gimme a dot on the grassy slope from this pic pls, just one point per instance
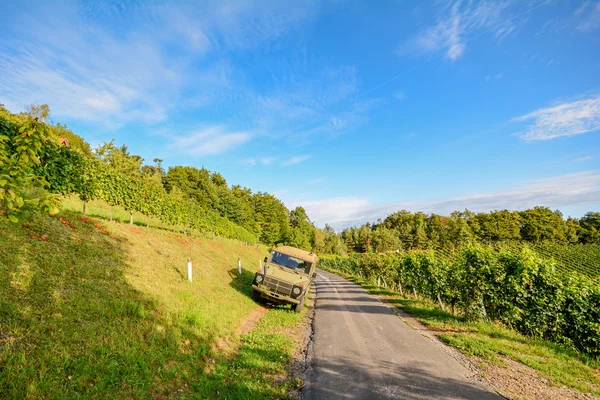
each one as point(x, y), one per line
point(491, 341)
point(100, 309)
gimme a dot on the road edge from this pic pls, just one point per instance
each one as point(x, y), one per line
point(301, 367)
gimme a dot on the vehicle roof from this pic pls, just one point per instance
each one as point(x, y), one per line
point(300, 254)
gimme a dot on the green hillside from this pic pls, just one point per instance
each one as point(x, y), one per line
point(98, 309)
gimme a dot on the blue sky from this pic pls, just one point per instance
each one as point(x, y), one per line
point(352, 109)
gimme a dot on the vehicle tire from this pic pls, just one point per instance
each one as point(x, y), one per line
point(298, 307)
point(255, 295)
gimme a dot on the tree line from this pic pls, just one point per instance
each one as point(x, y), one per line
point(39, 161)
point(404, 230)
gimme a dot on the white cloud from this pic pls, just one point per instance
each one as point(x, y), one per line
point(582, 159)
point(566, 190)
point(338, 212)
point(315, 181)
point(567, 119)
point(455, 22)
point(295, 160)
point(268, 160)
point(493, 77)
point(337, 123)
point(210, 141)
point(400, 95)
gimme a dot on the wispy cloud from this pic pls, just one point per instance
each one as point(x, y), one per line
point(567, 119)
point(267, 160)
point(309, 101)
point(456, 22)
point(86, 73)
point(337, 123)
point(168, 59)
point(162, 59)
point(316, 181)
point(584, 19)
point(295, 160)
point(582, 159)
point(210, 141)
point(493, 77)
point(566, 190)
point(588, 16)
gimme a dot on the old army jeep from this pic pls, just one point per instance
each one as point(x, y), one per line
point(285, 277)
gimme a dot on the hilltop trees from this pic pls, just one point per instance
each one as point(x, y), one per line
point(541, 223)
point(272, 217)
point(590, 227)
point(404, 230)
point(302, 231)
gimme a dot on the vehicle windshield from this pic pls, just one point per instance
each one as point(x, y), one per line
point(290, 262)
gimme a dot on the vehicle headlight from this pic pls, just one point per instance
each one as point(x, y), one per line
point(296, 291)
point(258, 278)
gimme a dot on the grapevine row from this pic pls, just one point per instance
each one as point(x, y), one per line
point(517, 288)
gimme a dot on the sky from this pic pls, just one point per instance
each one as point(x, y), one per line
point(351, 109)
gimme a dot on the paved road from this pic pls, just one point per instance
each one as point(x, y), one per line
point(362, 350)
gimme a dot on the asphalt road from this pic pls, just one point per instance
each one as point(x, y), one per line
point(362, 350)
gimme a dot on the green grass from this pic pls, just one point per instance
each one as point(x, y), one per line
point(93, 309)
point(262, 359)
point(491, 341)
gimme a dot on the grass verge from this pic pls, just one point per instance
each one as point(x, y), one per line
point(258, 370)
point(490, 342)
point(90, 309)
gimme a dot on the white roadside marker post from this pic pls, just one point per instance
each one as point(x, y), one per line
point(190, 261)
point(190, 233)
point(239, 267)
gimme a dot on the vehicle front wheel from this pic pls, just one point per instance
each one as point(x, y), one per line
point(298, 307)
point(255, 295)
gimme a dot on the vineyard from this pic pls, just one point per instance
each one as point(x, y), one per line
point(519, 288)
point(93, 180)
point(581, 258)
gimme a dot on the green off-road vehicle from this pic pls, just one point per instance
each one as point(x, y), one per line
point(285, 277)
